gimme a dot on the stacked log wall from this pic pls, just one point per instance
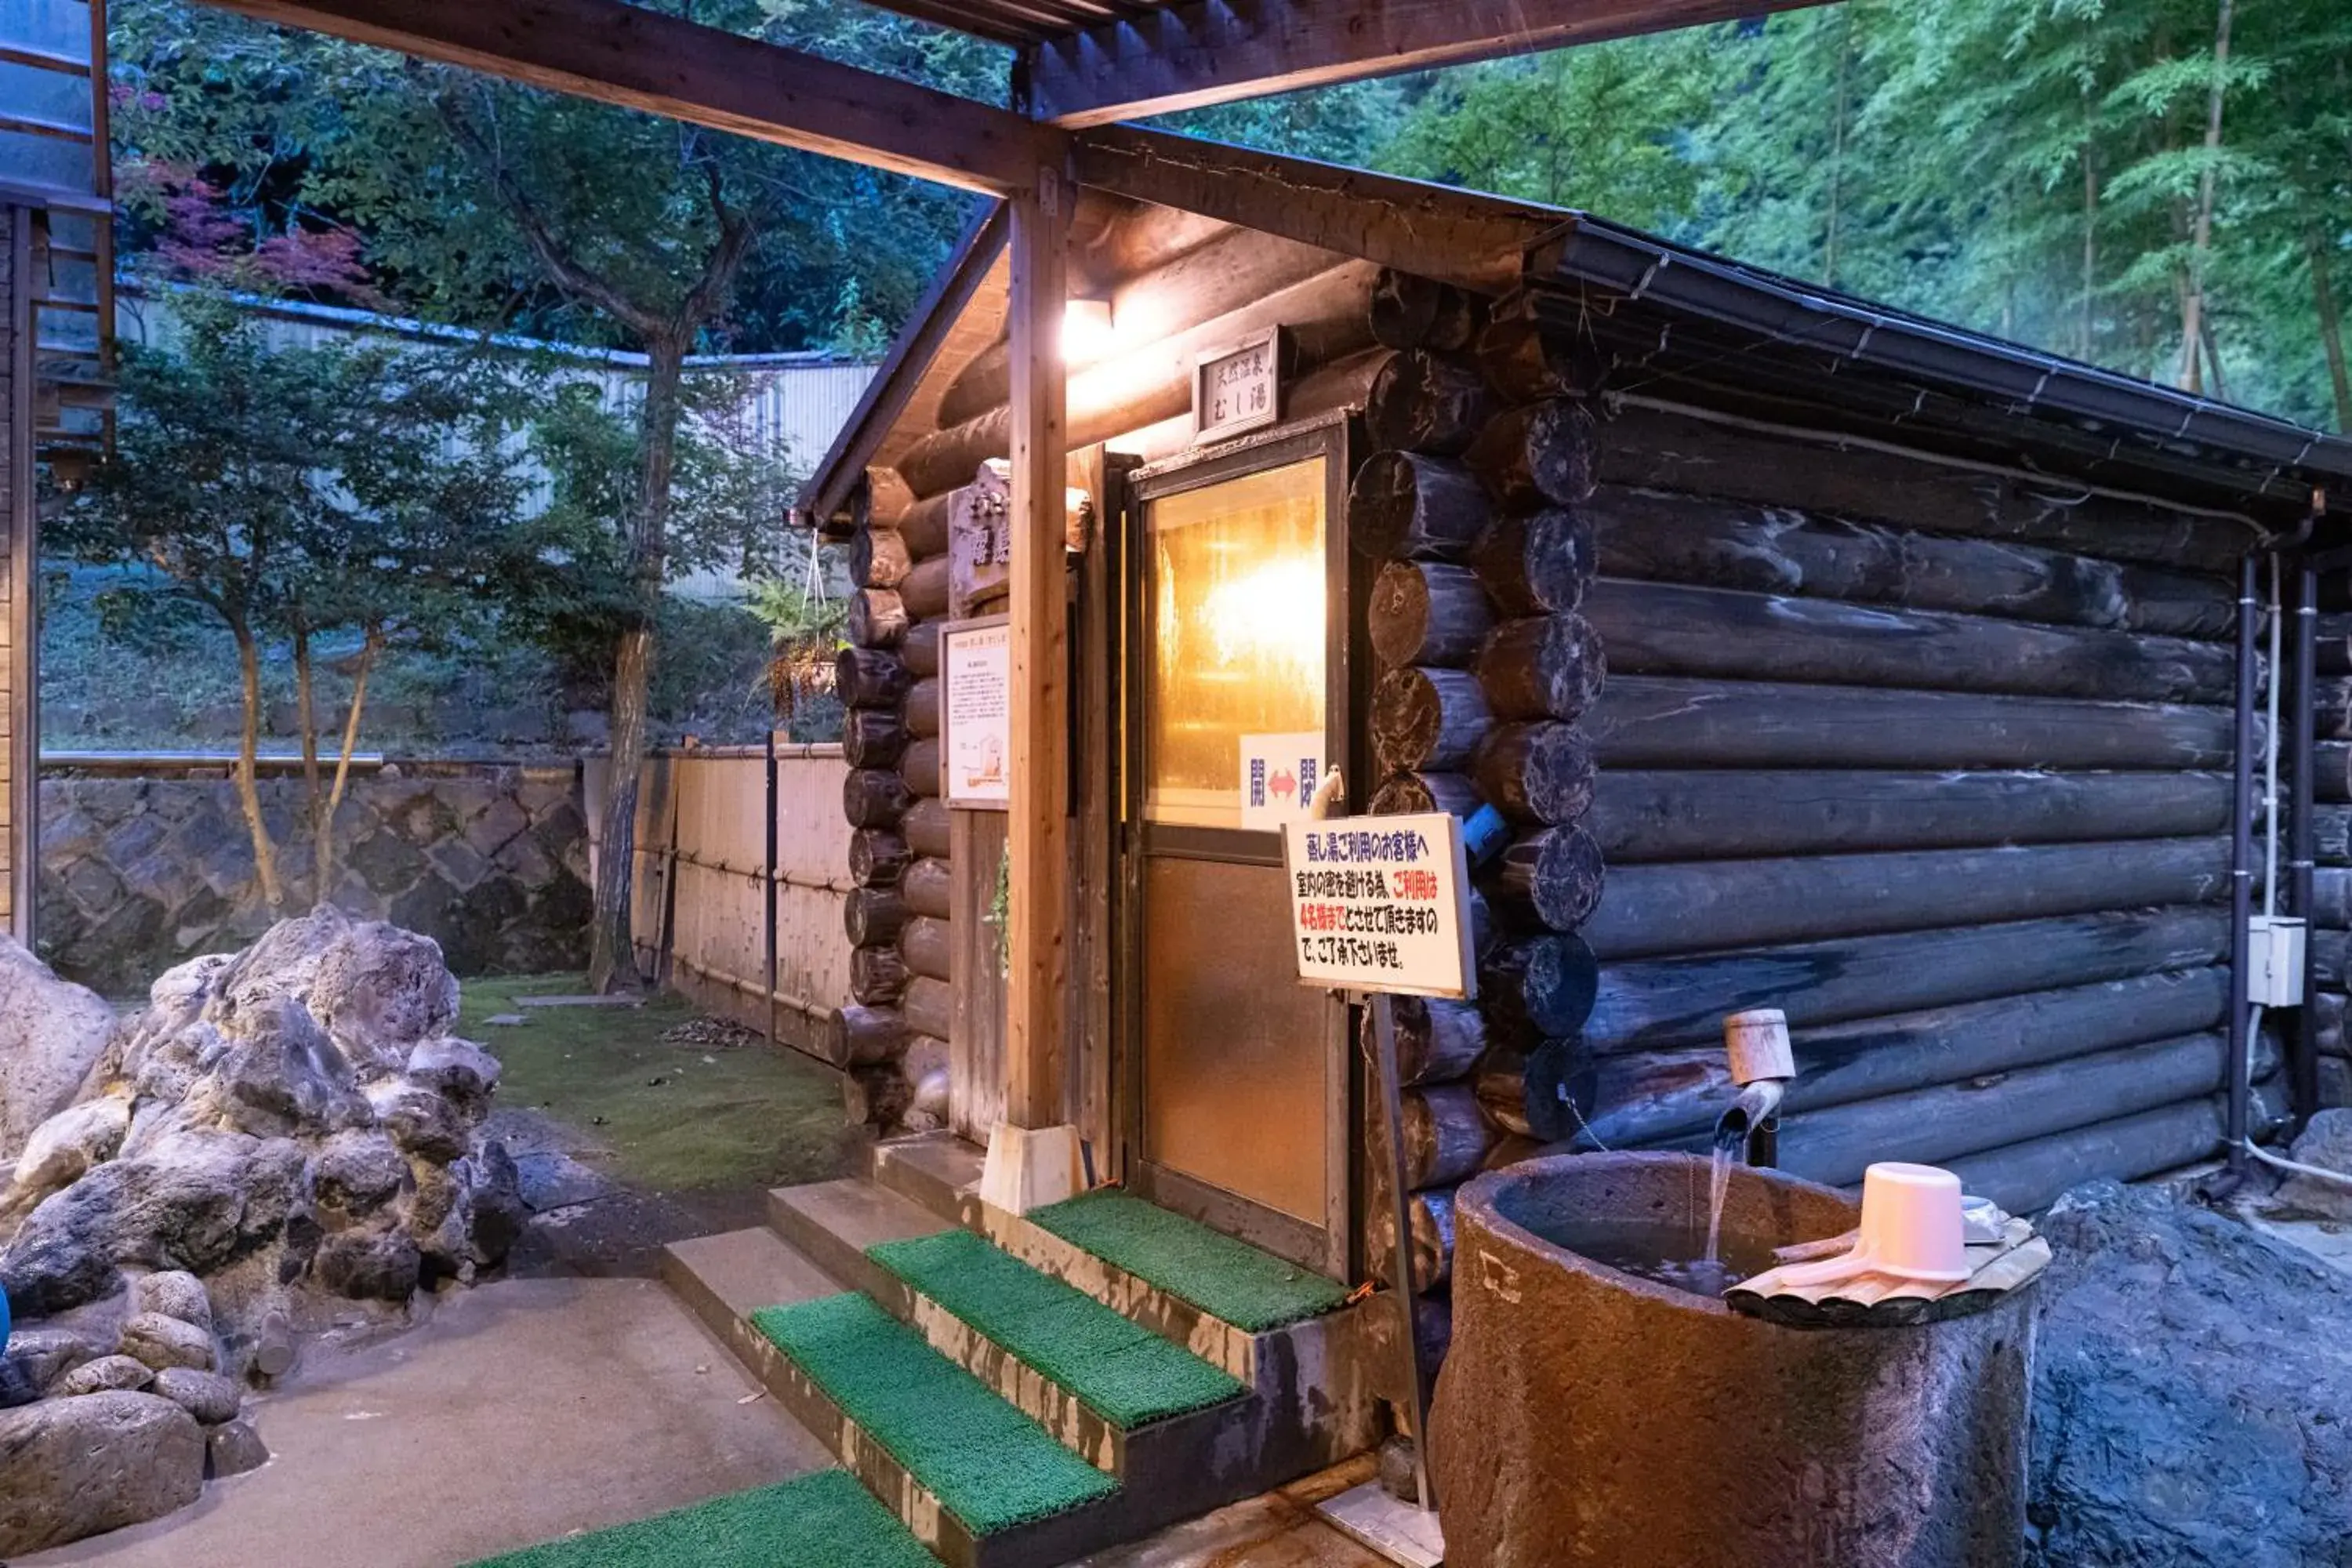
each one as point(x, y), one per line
point(2331, 911)
point(1483, 667)
point(1935, 759)
point(892, 1039)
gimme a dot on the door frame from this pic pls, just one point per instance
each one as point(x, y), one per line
point(1327, 1248)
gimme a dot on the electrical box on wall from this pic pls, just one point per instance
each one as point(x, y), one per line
point(2274, 954)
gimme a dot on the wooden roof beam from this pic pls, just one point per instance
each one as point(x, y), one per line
point(619, 53)
point(1200, 52)
point(1435, 231)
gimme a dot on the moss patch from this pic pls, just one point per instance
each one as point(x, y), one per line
point(749, 1115)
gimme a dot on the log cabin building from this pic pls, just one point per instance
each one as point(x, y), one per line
point(1819, 657)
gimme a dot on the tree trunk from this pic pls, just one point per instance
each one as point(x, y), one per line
point(611, 960)
point(248, 747)
point(2331, 329)
point(1839, 111)
point(2192, 314)
point(322, 820)
point(1542, 666)
point(2085, 330)
point(306, 717)
point(1670, 629)
point(612, 964)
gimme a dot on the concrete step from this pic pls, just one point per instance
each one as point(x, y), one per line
point(833, 1223)
point(726, 1278)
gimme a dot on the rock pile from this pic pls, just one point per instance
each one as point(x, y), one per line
point(2191, 1393)
point(281, 1134)
point(51, 1034)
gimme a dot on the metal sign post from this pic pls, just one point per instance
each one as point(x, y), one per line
point(1379, 907)
point(1392, 1093)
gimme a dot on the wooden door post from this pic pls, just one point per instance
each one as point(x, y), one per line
point(1039, 829)
point(1033, 1157)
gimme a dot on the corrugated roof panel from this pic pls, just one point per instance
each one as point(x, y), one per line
point(55, 28)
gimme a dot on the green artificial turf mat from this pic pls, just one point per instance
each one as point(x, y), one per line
point(1120, 1371)
point(1226, 1279)
point(987, 1464)
point(826, 1518)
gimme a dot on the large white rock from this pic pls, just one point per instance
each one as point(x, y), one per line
point(52, 1033)
point(61, 1151)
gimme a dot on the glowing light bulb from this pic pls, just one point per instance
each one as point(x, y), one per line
point(1087, 335)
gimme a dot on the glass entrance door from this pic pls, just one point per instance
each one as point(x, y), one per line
point(1238, 1073)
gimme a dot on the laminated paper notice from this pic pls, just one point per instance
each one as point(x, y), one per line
point(1380, 903)
point(976, 712)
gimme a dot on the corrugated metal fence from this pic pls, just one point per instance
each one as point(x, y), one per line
point(742, 858)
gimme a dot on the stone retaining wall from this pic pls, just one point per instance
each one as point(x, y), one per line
point(138, 874)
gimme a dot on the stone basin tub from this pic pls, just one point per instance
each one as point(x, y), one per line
point(1589, 1415)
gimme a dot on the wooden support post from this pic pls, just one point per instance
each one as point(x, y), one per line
point(1034, 1155)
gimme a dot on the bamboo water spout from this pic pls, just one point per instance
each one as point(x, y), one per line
point(1763, 1064)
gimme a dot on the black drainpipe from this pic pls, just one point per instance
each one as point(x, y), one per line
point(2304, 1066)
point(2300, 754)
point(2241, 872)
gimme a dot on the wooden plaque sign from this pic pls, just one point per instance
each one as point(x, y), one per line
point(1237, 389)
point(976, 713)
point(1381, 904)
point(979, 543)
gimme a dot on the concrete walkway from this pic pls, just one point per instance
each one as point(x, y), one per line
point(530, 1409)
point(523, 1411)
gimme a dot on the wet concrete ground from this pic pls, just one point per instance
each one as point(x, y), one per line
point(528, 1409)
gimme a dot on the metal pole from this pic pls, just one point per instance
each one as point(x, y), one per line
point(2300, 849)
point(2242, 875)
point(1401, 1270)
point(768, 886)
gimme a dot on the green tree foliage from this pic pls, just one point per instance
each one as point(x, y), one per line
point(2108, 179)
point(492, 205)
point(355, 495)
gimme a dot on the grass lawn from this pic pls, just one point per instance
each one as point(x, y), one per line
point(677, 1116)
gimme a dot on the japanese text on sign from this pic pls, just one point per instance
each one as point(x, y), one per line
point(1380, 903)
point(976, 670)
point(1239, 389)
point(1279, 773)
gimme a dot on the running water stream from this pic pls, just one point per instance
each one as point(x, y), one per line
point(1718, 1185)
